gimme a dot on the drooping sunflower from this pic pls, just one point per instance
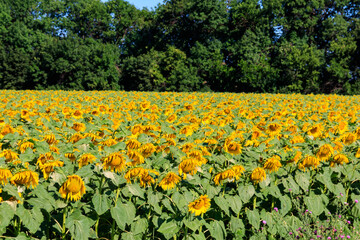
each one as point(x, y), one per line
point(73, 188)
point(232, 147)
point(169, 181)
point(136, 157)
point(9, 155)
point(5, 174)
point(348, 138)
point(50, 139)
point(115, 161)
point(200, 205)
point(48, 167)
point(26, 145)
point(238, 169)
point(147, 149)
point(273, 164)
point(227, 174)
point(188, 166)
point(325, 152)
point(79, 127)
point(309, 162)
point(141, 174)
point(25, 178)
point(339, 159)
point(357, 155)
point(86, 159)
point(258, 175)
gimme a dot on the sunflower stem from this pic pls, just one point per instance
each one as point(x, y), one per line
point(64, 221)
point(254, 204)
point(101, 183)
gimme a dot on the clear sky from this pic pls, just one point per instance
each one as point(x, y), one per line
point(145, 3)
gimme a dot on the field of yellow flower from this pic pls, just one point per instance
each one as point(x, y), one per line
point(137, 165)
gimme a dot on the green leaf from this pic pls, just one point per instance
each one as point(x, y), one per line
point(253, 218)
point(166, 202)
point(246, 192)
point(223, 204)
point(302, 179)
point(79, 225)
point(6, 214)
point(180, 201)
point(199, 236)
point(128, 236)
point(123, 213)
point(139, 226)
point(234, 203)
point(237, 226)
point(153, 200)
point(314, 204)
point(217, 229)
point(31, 219)
point(285, 204)
point(101, 203)
point(194, 224)
point(136, 190)
point(169, 228)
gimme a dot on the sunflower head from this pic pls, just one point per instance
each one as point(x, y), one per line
point(309, 162)
point(5, 174)
point(339, 159)
point(169, 181)
point(325, 152)
point(115, 161)
point(73, 188)
point(25, 178)
point(273, 164)
point(258, 175)
point(200, 205)
point(86, 159)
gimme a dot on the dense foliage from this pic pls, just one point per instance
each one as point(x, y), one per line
point(139, 165)
point(181, 45)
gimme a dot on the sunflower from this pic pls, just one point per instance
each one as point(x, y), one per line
point(141, 174)
point(258, 175)
point(25, 178)
point(85, 159)
point(43, 158)
point(227, 174)
point(136, 157)
point(297, 139)
point(76, 137)
point(133, 144)
point(147, 149)
point(169, 181)
point(48, 167)
point(188, 166)
point(26, 145)
point(232, 147)
point(309, 162)
point(315, 131)
point(348, 138)
point(357, 155)
point(115, 161)
point(197, 154)
point(73, 188)
point(339, 159)
point(273, 164)
point(9, 155)
point(79, 127)
point(5, 174)
point(50, 138)
point(273, 129)
point(238, 169)
point(296, 158)
point(200, 205)
point(325, 152)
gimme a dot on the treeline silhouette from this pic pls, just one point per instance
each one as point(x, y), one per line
point(277, 46)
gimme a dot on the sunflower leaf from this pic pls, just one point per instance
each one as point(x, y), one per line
point(169, 228)
point(6, 215)
point(123, 213)
point(101, 203)
point(79, 225)
point(30, 218)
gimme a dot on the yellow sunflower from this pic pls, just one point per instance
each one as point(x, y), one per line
point(115, 161)
point(232, 147)
point(258, 175)
point(188, 166)
point(325, 152)
point(339, 159)
point(200, 205)
point(25, 178)
point(73, 188)
point(5, 174)
point(169, 181)
point(273, 164)
point(309, 162)
point(227, 174)
point(85, 159)
point(48, 167)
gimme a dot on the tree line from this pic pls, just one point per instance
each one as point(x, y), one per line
point(277, 46)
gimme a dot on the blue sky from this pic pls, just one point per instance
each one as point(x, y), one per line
point(144, 3)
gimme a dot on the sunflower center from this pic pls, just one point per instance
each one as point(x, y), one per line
point(74, 187)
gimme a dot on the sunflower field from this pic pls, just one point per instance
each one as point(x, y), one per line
point(139, 165)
